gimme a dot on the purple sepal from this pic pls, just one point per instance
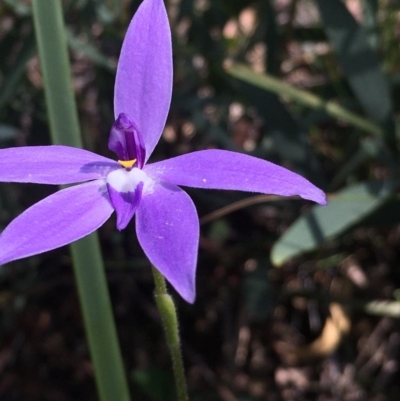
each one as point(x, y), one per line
point(167, 227)
point(53, 165)
point(126, 141)
point(143, 84)
point(221, 169)
point(57, 220)
point(125, 204)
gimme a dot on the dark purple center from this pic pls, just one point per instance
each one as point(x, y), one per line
point(126, 141)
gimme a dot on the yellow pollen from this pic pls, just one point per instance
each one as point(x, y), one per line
point(127, 163)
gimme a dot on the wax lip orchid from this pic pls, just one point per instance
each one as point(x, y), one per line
point(167, 224)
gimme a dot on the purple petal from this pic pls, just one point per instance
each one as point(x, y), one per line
point(144, 75)
point(167, 227)
point(57, 220)
point(126, 141)
point(221, 169)
point(125, 204)
point(52, 165)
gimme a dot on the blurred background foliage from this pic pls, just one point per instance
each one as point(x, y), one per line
point(295, 301)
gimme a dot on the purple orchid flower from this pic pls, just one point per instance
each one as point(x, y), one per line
point(167, 224)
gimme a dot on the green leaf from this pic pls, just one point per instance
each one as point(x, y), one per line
point(155, 383)
point(7, 132)
point(358, 60)
point(305, 98)
point(347, 208)
point(370, 11)
point(86, 253)
point(14, 76)
point(271, 36)
point(19, 7)
point(90, 52)
point(258, 292)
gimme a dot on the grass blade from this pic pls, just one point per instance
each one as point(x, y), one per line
point(87, 260)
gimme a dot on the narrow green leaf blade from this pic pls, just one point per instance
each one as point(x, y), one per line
point(90, 52)
point(359, 62)
point(157, 384)
point(7, 133)
point(305, 98)
point(15, 75)
point(86, 253)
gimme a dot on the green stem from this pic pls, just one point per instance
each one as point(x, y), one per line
point(169, 318)
point(86, 254)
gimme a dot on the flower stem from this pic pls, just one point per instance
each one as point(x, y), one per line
point(86, 254)
point(167, 310)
